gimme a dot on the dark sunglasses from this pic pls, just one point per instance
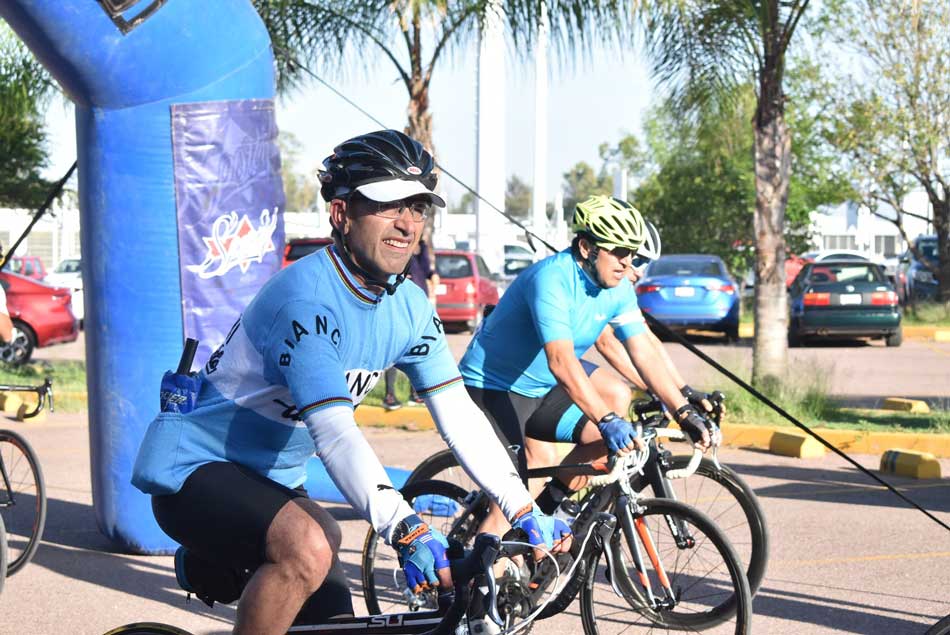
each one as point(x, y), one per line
point(639, 262)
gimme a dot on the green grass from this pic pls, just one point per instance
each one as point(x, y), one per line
point(69, 381)
point(376, 395)
point(927, 314)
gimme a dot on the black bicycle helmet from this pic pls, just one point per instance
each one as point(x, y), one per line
point(383, 166)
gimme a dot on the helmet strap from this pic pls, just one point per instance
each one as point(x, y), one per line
point(589, 264)
point(390, 287)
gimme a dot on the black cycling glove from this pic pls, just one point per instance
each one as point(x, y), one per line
point(692, 423)
point(695, 397)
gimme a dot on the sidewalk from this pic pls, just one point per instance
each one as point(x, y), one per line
point(734, 434)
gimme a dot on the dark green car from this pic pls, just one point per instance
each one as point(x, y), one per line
point(843, 298)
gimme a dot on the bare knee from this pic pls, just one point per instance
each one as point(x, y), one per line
point(302, 545)
point(540, 453)
point(617, 395)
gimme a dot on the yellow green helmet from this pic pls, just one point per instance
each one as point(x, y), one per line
point(611, 222)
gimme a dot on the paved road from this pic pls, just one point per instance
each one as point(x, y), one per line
point(846, 557)
point(856, 372)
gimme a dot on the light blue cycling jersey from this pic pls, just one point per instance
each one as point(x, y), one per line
point(552, 300)
point(311, 339)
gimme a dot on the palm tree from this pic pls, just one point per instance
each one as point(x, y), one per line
point(703, 48)
point(330, 35)
point(25, 88)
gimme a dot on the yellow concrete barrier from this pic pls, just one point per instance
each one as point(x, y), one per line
point(10, 402)
point(910, 463)
point(794, 444)
point(27, 408)
point(906, 405)
point(942, 336)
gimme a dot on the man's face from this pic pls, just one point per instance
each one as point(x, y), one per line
point(379, 244)
point(612, 265)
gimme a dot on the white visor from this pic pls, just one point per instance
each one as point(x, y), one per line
point(397, 190)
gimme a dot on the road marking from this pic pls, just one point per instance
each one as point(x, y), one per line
point(896, 556)
point(942, 350)
point(856, 488)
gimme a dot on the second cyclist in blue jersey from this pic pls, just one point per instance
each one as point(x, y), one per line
point(524, 366)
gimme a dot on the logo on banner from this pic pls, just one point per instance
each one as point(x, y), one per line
point(235, 242)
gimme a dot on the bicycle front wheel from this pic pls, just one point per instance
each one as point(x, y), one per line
point(3, 553)
point(940, 628)
point(22, 499)
point(441, 505)
point(728, 500)
point(696, 580)
point(147, 628)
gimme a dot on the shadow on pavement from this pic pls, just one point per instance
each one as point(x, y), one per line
point(844, 616)
point(848, 486)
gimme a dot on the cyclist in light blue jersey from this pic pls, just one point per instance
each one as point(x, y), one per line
point(523, 367)
point(226, 477)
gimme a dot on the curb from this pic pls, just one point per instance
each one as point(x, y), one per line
point(913, 406)
point(925, 333)
point(736, 435)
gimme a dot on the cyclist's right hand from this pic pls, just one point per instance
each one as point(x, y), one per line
point(619, 434)
point(422, 554)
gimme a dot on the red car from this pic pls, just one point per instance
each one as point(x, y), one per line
point(41, 316)
point(297, 248)
point(465, 287)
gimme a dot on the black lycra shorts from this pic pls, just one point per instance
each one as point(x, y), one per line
point(223, 512)
point(553, 417)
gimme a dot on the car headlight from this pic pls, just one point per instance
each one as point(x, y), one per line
point(923, 275)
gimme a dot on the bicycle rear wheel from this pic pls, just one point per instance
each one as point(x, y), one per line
point(3, 553)
point(707, 578)
point(147, 628)
point(439, 504)
point(22, 498)
point(731, 504)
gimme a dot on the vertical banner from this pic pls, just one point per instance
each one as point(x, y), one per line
point(230, 201)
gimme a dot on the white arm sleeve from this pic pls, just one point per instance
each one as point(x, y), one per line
point(355, 469)
point(471, 438)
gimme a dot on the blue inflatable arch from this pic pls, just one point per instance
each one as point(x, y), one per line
point(180, 201)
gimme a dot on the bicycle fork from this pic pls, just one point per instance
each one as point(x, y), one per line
point(635, 531)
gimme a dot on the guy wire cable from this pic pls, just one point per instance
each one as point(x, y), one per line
point(652, 321)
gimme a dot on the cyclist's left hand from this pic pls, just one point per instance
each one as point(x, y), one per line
point(543, 531)
point(700, 399)
point(422, 554)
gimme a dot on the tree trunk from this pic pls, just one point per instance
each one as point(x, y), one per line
point(419, 119)
point(942, 227)
point(772, 172)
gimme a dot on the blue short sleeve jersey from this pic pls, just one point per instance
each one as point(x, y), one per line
point(552, 300)
point(312, 338)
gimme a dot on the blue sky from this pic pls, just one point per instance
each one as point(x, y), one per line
point(598, 99)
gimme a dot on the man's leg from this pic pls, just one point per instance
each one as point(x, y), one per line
point(302, 542)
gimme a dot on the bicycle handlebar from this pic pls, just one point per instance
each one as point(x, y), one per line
point(633, 462)
point(478, 562)
point(187, 356)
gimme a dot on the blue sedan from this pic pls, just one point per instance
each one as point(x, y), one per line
point(691, 291)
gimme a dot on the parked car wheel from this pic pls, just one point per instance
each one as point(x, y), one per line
point(895, 338)
point(20, 348)
point(794, 339)
point(732, 334)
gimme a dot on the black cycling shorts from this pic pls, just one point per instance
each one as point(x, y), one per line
point(223, 512)
point(553, 417)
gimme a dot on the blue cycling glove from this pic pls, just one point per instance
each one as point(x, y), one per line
point(421, 552)
point(179, 392)
point(618, 433)
point(542, 530)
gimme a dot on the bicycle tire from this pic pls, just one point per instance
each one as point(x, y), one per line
point(147, 628)
point(23, 506)
point(382, 577)
point(733, 506)
point(725, 601)
point(940, 628)
point(4, 555)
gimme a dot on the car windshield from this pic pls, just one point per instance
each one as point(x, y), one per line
point(453, 266)
point(928, 249)
point(68, 266)
point(845, 273)
point(671, 267)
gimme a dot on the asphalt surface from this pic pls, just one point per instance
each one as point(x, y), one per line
point(846, 556)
